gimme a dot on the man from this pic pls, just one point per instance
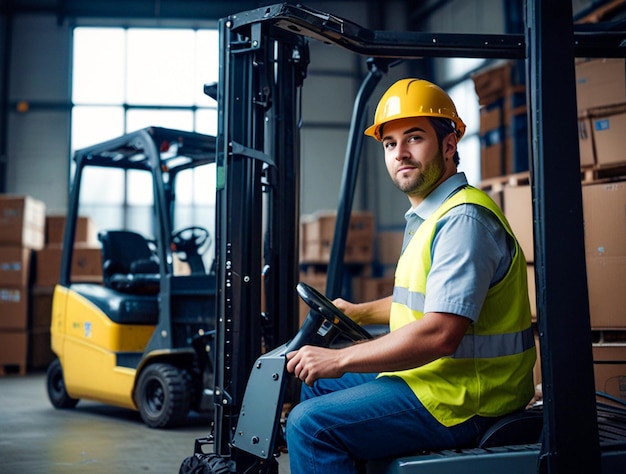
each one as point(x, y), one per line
point(460, 351)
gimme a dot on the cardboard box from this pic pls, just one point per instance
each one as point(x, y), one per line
point(500, 113)
point(321, 226)
point(585, 142)
point(490, 83)
point(86, 232)
point(317, 231)
point(491, 118)
point(518, 209)
point(40, 354)
point(22, 221)
point(86, 265)
point(599, 83)
point(496, 158)
point(359, 251)
point(369, 289)
point(604, 211)
point(13, 352)
point(389, 247)
point(494, 82)
point(607, 298)
point(13, 308)
point(317, 281)
point(497, 194)
point(604, 207)
point(504, 148)
point(41, 307)
point(356, 251)
point(609, 139)
point(609, 366)
point(15, 266)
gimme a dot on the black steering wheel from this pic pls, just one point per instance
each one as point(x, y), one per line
point(319, 303)
point(190, 241)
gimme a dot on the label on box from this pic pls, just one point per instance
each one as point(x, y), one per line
point(11, 266)
point(602, 125)
point(10, 295)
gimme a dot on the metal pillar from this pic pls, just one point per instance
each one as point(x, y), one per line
point(571, 432)
point(258, 177)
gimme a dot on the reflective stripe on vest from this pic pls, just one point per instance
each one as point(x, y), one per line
point(494, 345)
point(473, 346)
point(414, 300)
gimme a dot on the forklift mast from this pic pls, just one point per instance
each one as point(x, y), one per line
point(263, 64)
point(257, 203)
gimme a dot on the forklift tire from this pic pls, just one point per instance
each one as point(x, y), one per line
point(162, 396)
point(56, 387)
point(204, 464)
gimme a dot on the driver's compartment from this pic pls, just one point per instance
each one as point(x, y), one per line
point(129, 262)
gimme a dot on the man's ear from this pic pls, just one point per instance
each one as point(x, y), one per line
point(449, 145)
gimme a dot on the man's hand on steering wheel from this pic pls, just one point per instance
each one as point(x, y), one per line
point(311, 362)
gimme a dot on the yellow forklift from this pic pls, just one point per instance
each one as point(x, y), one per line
point(140, 336)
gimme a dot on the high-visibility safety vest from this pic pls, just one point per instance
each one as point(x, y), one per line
point(490, 374)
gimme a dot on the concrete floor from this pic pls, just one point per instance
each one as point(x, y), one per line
point(91, 438)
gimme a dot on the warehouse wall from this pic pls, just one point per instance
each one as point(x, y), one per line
point(334, 78)
point(38, 124)
point(38, 134)
point(38, 51)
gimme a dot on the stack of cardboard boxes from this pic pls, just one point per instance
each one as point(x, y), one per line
point(501, 94)
point(378, 281)
point(86, 258)
point(317, 231)
point(316, 240)
point(601, 99)
point(601, 94)
point(22, 222)
point(30, 260)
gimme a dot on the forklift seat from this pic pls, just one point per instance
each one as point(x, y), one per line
point(128, 263)
point(521, 427)
point(518, 431)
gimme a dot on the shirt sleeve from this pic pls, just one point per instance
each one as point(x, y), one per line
point(471, 252)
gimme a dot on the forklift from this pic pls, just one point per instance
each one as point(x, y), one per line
point(263, 64)
point(140, 335)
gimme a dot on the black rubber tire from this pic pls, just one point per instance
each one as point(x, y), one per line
point(55, 385)
point(204, 464)
point(162, 396)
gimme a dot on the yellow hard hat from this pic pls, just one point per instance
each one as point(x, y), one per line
point(414, 98)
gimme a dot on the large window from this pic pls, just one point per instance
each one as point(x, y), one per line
point(125, 79)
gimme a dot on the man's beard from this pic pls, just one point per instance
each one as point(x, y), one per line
point(425, 181)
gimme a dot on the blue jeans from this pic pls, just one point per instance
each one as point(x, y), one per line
point(360, 417)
